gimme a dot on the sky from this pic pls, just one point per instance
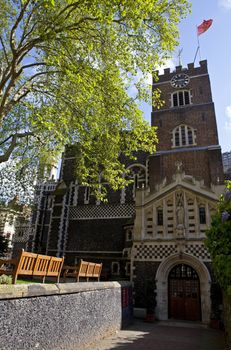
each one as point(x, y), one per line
point(215, 47)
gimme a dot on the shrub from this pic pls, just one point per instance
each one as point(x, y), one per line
point(219, 240)
point(4, 279)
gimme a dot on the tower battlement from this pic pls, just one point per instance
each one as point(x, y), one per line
point(190, 70)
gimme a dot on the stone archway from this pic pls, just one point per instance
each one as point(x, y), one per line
point(162, 284)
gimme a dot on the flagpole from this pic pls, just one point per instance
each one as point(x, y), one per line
point(198, 47)
point(196, 54)
point(198, 43)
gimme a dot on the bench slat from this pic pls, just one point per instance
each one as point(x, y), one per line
point(84, 269)
point(32, 264)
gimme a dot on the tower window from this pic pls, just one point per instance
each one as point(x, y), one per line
point(180, 98)
point(177, 139)
point(175, 99)
point(190, 137)
point(183, 135)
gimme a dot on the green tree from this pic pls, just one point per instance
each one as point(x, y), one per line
point(66, 67)
point(219, 240)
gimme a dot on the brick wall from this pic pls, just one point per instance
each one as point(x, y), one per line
point(96, 235)
point(202, 165)
point(143, 272)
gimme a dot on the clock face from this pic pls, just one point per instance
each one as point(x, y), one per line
point(180, 80)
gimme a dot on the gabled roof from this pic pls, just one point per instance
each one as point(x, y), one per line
point(184, 182)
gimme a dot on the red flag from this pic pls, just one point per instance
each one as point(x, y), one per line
point(204, 26)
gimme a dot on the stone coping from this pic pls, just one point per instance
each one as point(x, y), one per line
point(16, 291)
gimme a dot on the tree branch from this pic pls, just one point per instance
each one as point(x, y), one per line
point(4, 49)
point(31, 65)
point(15, 26)
point(5, 157)
point(19, 94)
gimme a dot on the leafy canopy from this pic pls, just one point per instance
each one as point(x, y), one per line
point(219, 240)
point(66, 69)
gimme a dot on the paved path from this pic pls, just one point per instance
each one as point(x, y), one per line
point(163, 336)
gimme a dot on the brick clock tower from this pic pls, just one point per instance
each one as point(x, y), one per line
point(187, 129)
point(185, 179)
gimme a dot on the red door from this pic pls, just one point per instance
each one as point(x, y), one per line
point(184, 293)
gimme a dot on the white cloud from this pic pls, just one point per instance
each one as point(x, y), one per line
point(168, 64)
point(225, 4)
point(228, 114)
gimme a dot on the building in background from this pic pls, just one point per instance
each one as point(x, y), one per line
point(226, 157)
point(153, 231)
point(15, 225)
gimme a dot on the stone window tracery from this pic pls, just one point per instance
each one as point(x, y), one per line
point(137, 172)
point(183, 135)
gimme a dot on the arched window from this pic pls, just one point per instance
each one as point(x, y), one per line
point(181, 98)
point(137, 172)
point(184, 135)
point(115, 268)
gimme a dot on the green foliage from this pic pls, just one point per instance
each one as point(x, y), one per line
point(3, 245)
point(4, 279)
point(67, 69)
point(219, 240)
point(17, 180)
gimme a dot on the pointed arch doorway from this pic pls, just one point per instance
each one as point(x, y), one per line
point(162, 288)
point(184, 293)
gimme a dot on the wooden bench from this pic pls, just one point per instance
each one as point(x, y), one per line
point(84, 269)
point(31, 264)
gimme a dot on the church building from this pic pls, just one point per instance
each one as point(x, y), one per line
point(153, 231)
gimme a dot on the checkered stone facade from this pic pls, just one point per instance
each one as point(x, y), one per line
point(158, 252)
point(84, 212)
point(199, 251)
point(153, 252)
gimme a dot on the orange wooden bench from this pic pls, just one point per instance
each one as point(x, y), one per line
point(84, 269)
point(32, 264)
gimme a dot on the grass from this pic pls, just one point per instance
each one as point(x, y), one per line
point(32, 281)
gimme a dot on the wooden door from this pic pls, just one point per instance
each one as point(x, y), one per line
point(184, 293)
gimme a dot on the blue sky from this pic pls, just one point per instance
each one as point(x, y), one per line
point(215, 46)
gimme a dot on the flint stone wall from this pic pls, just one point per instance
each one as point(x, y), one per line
point(66, 316)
